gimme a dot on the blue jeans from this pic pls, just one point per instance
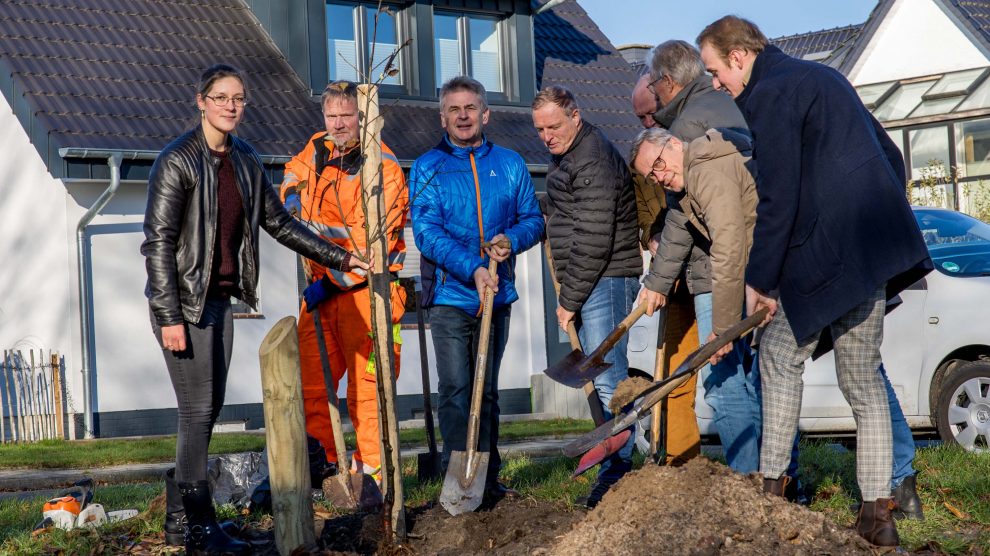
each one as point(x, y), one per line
point(903, 439)
point(731, 392)
point(611, 300)
point(455, 341)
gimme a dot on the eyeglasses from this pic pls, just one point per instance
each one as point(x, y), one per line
point(652, 85)
point(222, 100)
point(659, 165)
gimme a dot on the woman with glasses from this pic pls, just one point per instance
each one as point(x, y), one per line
point(207, 196)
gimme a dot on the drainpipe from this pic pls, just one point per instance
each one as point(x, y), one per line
point(88, 359)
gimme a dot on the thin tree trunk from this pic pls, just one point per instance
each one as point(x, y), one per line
point(376, 220)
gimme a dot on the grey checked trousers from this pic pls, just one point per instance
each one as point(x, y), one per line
point(857, 336)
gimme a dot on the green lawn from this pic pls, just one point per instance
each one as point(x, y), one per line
point(86, 454)
point(954, 486)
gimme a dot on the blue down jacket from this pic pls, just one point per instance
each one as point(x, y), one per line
point(444, 203)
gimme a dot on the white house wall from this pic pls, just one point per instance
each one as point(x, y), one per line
point(36, 271)
point(131, 374)
point(915, 38)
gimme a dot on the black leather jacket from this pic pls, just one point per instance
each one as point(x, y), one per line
point(181, 219)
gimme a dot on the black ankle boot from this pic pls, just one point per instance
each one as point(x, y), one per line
point(907, 501)
point(203, 533)
point(175, 514)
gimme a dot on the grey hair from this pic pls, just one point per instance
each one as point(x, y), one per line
point(464, 83)
point(655, 135)
point(678, 59)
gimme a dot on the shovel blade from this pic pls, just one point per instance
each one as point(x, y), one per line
point(603, 450)
point(464, 483)
point(352, 491)
point(576, 369)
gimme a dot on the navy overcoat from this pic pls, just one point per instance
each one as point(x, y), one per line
point(833, 222)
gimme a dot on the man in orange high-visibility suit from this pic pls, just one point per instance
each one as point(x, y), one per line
point(322, 186)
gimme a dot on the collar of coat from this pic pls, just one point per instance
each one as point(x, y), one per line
point(446, 146)
point(348, 160)
point(765, 61)
point(666, 115)
point(585, 130)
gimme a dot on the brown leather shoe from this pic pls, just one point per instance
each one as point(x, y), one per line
point(875, 524)
point(776, 486)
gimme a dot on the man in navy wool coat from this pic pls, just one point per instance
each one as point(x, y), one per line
point(834, 237)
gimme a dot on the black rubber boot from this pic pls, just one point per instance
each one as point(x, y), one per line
point(175, 514)
point(203, 533)
point(907, 500)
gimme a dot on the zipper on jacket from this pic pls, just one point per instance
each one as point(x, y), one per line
point(481, 224)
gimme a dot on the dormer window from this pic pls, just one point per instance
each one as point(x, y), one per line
point(353, 40)
point(468, 44)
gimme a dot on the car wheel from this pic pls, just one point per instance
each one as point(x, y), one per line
point(964, 406)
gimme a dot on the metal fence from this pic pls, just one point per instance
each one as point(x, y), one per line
point(32, 396)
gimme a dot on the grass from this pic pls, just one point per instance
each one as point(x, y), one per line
point(954, 486)
point(86, 454)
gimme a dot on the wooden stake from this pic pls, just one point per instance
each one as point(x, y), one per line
point(3, 428)
point(57, 392)
point(20, 399)
point(10, 399)
point(285, 437)
point(376, 220)
point(30, 395)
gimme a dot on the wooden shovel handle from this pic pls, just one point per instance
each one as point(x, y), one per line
point(594, 402)
point(619, 332)
point(480, 365)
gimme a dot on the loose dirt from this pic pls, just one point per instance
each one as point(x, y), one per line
point(702, 508)
point(627, 391)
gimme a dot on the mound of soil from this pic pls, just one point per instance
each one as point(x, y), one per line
point(702, 507)
point(513, 527)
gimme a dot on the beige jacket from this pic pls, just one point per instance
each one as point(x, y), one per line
point(720, 201)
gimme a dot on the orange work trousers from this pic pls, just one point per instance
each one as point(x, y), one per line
point(681, 339)
point(346, 320)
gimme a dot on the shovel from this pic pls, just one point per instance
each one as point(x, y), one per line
point(428, 468)
point(601, 442)
point(594, 403)
point(576, 369)
point(464, 484)
point(345, 489)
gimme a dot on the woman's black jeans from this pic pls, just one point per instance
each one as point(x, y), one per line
point(199, 377)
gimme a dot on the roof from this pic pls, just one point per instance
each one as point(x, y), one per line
point(573, 52)
point(840, 47)
point(818, 45)
point(121, 74)
point(974, 15)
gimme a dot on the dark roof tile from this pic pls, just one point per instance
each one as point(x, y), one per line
point(122, 74)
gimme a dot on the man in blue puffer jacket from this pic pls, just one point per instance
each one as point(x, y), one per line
point(468, 195)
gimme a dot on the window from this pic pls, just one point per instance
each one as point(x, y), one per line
point(874, 95)
point(353, 41)
point(929, 152)
point(468, 45)
point(902, 101)
point(973, 148)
